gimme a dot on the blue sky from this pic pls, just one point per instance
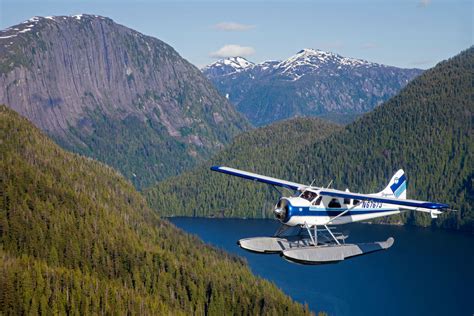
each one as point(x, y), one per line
point(416, 33)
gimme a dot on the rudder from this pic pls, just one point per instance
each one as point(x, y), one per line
point(397, 187)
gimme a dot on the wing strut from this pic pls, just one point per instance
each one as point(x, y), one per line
point(332, 235)
point(337, 216)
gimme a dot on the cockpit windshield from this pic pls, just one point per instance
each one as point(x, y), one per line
point(308, 195)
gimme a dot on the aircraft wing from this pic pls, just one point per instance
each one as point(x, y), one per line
point(257, 177)
point(367, 197)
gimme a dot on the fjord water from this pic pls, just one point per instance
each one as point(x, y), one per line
point(426, 272)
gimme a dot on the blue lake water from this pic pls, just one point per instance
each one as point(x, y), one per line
point(426, 272)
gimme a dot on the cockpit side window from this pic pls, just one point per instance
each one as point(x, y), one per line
point(347, 201)
point(334, 203)
point(308, 195)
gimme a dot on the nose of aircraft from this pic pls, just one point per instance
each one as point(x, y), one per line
point(281, 209)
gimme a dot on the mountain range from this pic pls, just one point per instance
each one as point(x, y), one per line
point(426, 129)
point(106, 91)
point(309, 83)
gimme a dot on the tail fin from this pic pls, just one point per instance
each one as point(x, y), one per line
point(397, 187)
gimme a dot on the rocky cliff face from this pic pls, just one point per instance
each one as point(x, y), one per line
point(114, 94)
point(309, 83)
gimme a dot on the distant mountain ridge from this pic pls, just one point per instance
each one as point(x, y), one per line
point(426, 129)
point(109, 92)
point(310, 83)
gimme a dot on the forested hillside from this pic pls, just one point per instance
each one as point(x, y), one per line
point(76, 238)
point(426, 129)
point(268, 150)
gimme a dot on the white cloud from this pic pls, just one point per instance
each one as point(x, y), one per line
point(424, 3)
point(232, 26)
point(232, 50)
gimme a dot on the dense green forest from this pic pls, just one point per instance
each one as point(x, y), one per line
point(76, 238)
point(266, 150)
point(426, 130)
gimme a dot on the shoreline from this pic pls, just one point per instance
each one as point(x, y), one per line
point(399, 224)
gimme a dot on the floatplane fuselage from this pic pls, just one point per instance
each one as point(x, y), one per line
point(310, 207)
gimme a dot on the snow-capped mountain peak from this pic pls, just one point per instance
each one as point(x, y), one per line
point(228, 65)
point(309, 55)
point(306, 62)
point(314, 52)
point(310, 82)
point(309, 60)
point(238, 62)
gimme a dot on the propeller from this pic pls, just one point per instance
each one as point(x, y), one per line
point(281, 209)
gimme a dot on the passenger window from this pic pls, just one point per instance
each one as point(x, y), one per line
point(347, 201)
point(334, 203)
point(318, 201)
point(355, 202)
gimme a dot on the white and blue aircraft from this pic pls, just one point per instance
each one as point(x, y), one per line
point(313, 206)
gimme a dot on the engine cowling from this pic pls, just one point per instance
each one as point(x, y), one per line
point(281, 209)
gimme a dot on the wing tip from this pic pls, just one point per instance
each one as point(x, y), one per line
point(215, 168)
point(438, 206)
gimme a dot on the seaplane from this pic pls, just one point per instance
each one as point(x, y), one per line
point(309, 215)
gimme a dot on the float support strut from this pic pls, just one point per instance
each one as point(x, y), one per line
point(332, 235)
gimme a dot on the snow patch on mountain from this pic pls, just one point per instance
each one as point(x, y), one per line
point(311, 60)
point(232, 64)
point(33, 22)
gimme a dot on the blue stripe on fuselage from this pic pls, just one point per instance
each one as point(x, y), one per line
point(312, 211)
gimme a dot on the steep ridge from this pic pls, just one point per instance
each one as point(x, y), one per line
point(309, 83)
point(76, 238)
point(111, 93)
point(426, 129)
